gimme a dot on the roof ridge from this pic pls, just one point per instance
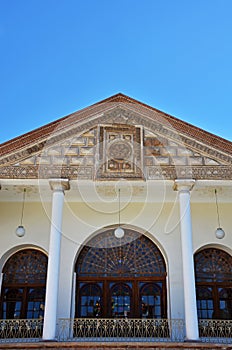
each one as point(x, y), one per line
point(120, 97)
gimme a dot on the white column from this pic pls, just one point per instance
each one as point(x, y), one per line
point(191, 320)
point(58, 187)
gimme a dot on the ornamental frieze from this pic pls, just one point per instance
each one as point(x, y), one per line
point(87, 172)
point(195, 172)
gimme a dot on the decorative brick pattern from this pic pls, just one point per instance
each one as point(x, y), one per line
point(159, 150)
point(117, 138)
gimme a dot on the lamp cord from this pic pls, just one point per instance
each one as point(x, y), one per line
point(24, 193)
point(217, 208)
point(119, 207)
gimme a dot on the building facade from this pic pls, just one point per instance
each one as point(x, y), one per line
point(116, 164)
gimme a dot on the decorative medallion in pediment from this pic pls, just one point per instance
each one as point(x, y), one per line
point(119, 152)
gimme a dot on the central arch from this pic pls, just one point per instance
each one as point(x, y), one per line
point(121, 277)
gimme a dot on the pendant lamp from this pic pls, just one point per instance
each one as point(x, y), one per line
point(219, 233)
point(119, 231)
point(20, 230)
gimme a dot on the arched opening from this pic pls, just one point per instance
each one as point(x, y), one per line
point(213, 270)
point(24, 285)
point(121, 278)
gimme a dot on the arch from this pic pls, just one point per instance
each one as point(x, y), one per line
point(213, 273)
point(24, 285)
point(4, 258)
point(120, 268)
point(127, 227)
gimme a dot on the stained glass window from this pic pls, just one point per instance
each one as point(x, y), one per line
point(121, 274)
point(26, 266)
point(213, 264)
point(23, 288)
point(213, 270)
point(133, 255)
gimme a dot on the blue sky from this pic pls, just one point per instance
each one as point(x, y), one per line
point(58, 56)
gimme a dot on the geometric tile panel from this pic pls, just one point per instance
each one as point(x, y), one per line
point(75, 151)
point(160, 151)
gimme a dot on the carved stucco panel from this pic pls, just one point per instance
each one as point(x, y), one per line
point(128, 145)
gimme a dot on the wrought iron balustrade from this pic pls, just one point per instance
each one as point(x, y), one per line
point(118, 329)
point(215, 331)
point(16, 330)
point(121, 329)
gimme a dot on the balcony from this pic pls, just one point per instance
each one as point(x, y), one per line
point(115, 330)
point(121, 329)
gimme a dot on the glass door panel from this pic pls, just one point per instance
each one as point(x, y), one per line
point(151, 300)
point(35, 304)
point(225, 303)
point(90, 300)
point(12, 303)
point(120, 299)
point(205, 304)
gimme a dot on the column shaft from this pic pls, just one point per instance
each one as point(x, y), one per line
point(191, 319)
point(49, 329)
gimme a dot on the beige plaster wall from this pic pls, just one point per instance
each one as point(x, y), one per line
point(81, 221)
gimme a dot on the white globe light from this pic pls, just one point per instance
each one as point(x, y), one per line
point(20, 231)
point(119, 232)
point(220, 233)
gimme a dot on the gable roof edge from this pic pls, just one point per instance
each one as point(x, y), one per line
point(183, 127)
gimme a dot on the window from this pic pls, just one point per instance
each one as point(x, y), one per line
point(23, 287)
point(119, 275)
point(213, 270)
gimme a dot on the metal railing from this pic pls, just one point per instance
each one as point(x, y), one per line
point(125, 329)
point(121, 329)
point(16, 330)
point(213, 331)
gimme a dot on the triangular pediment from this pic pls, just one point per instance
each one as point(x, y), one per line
point(117, 138)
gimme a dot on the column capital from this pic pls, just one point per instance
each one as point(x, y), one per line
point(59, 184)
point(183, 185)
